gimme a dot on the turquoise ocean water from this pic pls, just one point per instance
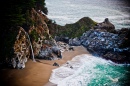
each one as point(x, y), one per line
point(91, 71)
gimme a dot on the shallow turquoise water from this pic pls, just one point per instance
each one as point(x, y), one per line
point(91, 71)
point(111, 75)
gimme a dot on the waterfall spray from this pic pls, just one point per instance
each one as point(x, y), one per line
point(30, 45)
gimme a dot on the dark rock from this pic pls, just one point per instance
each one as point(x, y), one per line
point(45, 54)
point(74, 42)
point(116, 57)
point(56, 64)
point(62, 38)
point(71, 67)
point(71, 48)
point(57, 51)
point(106, 45)
point(49, 53)
point(105, 25)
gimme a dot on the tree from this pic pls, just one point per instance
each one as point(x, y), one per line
point(14, 13)
point(40, 5)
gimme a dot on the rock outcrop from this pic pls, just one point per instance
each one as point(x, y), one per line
point(44, 46)
point(106, 45)
point(29, 42)
point(21, 49)
point(50, 53)
point(105, 25)
point(75, 42)
point(102, 42)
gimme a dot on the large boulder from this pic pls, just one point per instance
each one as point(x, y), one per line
point(50, 53)
point(74, 42)
point(105, 25)
point(62, 38)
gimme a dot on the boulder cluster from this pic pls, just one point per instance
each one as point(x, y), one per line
point(106, 45)
point(104, 41)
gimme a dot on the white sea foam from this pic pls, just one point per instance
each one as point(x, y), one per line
point(74, 72)
point(84, 69)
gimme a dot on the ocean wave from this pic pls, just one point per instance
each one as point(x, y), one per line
point(66, 12)
point(87, 70)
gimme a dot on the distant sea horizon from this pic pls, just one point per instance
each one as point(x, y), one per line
point(70, 11)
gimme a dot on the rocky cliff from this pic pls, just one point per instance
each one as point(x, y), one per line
point(106, 42)
point(35, 40)
point(27, 41)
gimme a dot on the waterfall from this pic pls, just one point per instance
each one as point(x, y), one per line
point(30, 45)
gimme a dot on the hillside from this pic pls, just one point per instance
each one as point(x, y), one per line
point(72, 30)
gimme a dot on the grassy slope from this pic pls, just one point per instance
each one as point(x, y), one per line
point(72, 30)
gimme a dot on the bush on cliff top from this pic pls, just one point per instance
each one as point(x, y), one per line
point(72, 30)
point(15, 13)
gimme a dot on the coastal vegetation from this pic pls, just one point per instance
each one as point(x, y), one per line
point(13, 14)
point(72, 30)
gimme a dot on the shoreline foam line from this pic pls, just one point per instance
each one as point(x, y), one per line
point(69, 69)
point(83, 69)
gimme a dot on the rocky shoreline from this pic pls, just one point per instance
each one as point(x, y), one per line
point(100, 39)
point(37, 73)
point(105, 41)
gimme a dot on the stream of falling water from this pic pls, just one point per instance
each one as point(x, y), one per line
point(30, 45)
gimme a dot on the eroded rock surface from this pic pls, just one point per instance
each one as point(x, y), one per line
point(106, 42)
point(21, 49)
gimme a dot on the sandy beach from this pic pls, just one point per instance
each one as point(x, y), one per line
point(36, 73)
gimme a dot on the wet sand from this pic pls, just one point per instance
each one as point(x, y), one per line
point(36, 73)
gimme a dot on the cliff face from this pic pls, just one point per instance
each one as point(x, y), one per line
point(23, 44)
point(21, 49)
point(39, 32)
point(34, 39)
point(101, 41)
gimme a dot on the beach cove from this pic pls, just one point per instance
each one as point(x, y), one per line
point(36, 73)
point(93, 52)
point(91, 71)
